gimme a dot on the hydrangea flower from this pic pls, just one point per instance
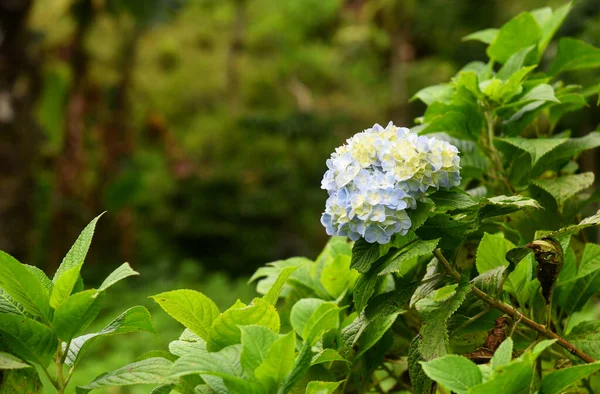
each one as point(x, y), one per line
point(380, 174)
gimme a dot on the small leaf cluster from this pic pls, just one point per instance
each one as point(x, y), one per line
point(42, 321)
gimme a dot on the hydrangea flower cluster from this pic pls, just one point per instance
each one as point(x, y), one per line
point(378, 175)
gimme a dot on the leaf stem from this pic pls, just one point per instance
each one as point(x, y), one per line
point(513, 313)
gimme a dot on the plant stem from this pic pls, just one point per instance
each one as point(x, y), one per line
point(513, 313)
point(493, 152)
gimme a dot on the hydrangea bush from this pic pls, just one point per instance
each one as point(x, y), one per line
point(460, 259)
point(378, 175)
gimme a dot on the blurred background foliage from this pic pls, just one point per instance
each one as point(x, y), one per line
point(203, 126)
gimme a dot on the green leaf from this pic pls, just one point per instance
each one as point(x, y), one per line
point(21, 381)
point(68, 272)
point(152, 370)
point(587, 281)
point(451, 200)
point(310, 317)
point(299, 370)
point(503, 354)
point(503, 205)
point(28, 339)
point(278, 363)
point(541, 92)
point(76, 313)
point(191, 308)
point(486, 36)
point(24, 287)
point(565, 187)
point(557, 381)
point(550, 23)
point(8, 361)
point(337, 276)
point(491, 252)
point(318, 387)
point(122, 272)
point(514, 63)
point(364, 255)
point(271, 271)
point(420, 382)
point(586, 336)
point(567, 151)
point(165, 389)
point(132, 320)
point(9, 305)
point(327, 356)
point(428, 95)
point(585, 223)
point(574, 54)
point(520, 32)
point(225, 328)
point(273, 294)
point(256, 342)
point(535, 147)
point(417, 249)
point(435, 311)
point(454, 372)
point(518, 280)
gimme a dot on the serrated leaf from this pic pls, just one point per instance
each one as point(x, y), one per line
point(585, 223)
point(152, 370)
point(435, 315)
point(586, 336)
point(191, 308)
point(317, 387)
point(452, 200)
point(132, 320)
point(535, 147)
point(486, 36)
point(557, 381)
point(430, 94)
point(256, 342)
point(503, 205)
point(520, 32)
point(419, 380)
point(24, 287)
point(9, 305)
point(225, 331)
point(502, 355)
point(68, 272)
point(8, 361)
point(567, 151)
point(587, 281)
point(28, 339)
point(278, 363)
point(454, 372)
point(327, 356)
point(299, 370)
point(574, 54)
point(416, 249)
point(166, 389)
point(491, 252)
point(310, 317)
point(76, 313)
point(364, 254)
point(122, 272)
point(565, 187)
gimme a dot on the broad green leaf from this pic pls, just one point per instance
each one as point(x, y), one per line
point(541, 92)
point(503, 355)
point(491, 280)
point(165, 389)
point(76, 313)
point(9, 305)
point(271, 271)
point(587, 281)
point(24, 287)
point(21, 381)
point(8, 361)
point(318, 387)
point(417, 249)
point(191, 308)
point(152, 370)
point(550, 23)
point(224, 364)
point(520, 32)
point(327, 356)
point(571, 148)
point(364, 255)
point(574, 54)
point(535, 147)
point(451, 200)
point(486, 36)
point(273, 294)
point(278, 363)
point(565, 187)
point(337, 276)
point(513, 377)
point(517, 281)
point(514, 63)
point(68, 272)
point(428, 95)
point(256, 342)
point(557, 381)
point(299, 370)
point(435, 311)
point(503, 205)
point(374, 331)
point(28, 339)
point(225, 331)
point(122, 272)
point(420, 382)
point(586, 336)
point(491, 252)
point(44, 280)
point(132, 320)
point(454, 372)
point(310, 317)
point(591, 221)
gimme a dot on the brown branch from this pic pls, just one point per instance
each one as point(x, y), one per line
point(512, 312)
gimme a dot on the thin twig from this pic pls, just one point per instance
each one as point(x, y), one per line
point(512, 312)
